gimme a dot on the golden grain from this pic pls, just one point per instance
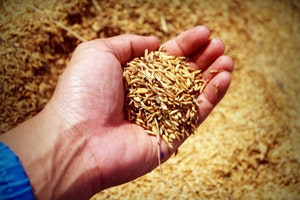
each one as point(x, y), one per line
point(161, 93)
point(142, 91)
point(214, 71)
point(217, 88)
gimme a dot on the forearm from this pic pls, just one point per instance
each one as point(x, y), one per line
point(49, 159)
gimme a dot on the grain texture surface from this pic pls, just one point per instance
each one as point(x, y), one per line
point(248, 148)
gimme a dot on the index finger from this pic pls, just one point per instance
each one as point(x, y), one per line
point(188, 42)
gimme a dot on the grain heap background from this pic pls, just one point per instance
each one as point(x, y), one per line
point(248, 148)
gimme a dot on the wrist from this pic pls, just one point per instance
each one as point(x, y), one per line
point(49, 152)
point(32, 141)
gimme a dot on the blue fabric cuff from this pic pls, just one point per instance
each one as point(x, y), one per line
point(14, 183)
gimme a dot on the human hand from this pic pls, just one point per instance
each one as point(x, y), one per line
point(89, 144)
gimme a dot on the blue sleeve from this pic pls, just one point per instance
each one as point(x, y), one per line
point(14, 183)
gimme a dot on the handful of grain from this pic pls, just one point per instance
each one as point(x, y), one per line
point(161, 93)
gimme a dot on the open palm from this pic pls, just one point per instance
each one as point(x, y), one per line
point(89, 98)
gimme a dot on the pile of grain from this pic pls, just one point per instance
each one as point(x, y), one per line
point(161, 93)
point(248, 148)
